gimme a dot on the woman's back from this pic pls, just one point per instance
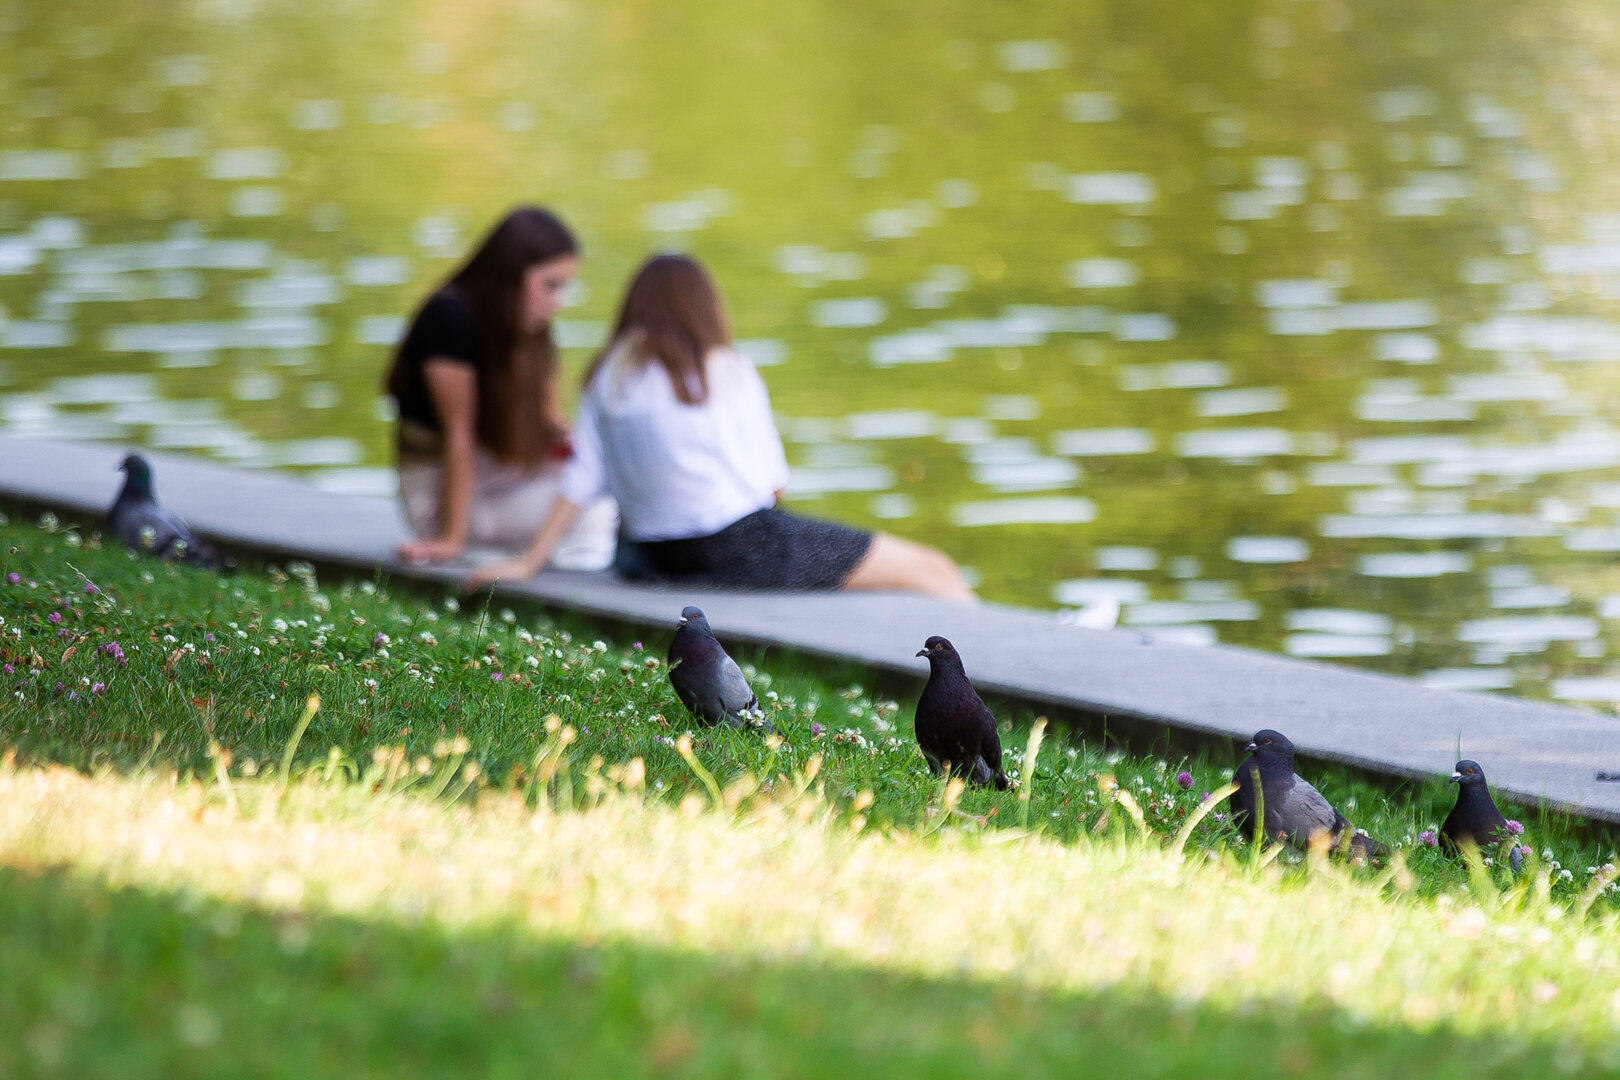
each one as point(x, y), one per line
point(677, 469)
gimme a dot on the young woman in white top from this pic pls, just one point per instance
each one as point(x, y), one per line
point(676, 426)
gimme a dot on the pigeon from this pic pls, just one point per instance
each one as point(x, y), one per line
point(1294, 811)
point(1475, 817)
point(709, 682)
point(146, 527)
point(954, 728)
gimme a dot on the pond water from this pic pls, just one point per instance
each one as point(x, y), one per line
point(1288, 324)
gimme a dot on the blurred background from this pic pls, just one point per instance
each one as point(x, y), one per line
point(1287, 323)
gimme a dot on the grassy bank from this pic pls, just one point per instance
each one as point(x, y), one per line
point(352, 927)
point(495, 841)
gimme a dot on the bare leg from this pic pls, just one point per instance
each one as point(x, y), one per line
point(893, 563)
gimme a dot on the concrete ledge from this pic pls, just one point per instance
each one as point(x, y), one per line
point(1532, 751)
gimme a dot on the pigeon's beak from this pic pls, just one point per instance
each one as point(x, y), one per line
point(922, 652)
point(1251, 748)
point(1456, 778)
point(681, 621)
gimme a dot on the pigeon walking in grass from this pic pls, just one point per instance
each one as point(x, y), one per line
point(1475, 818)
point(1293, 811)
point(707, 680)
point(954, 728)
point(146, 527)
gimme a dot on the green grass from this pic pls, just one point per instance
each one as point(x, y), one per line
point(421, 892)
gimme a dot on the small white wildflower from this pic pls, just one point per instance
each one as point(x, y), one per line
point(451, 604)
point(279, 625)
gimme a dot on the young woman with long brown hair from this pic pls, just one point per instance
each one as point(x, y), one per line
point(482, 440)
point(676, 425)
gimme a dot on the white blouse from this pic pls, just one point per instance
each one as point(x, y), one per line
point(676, 470)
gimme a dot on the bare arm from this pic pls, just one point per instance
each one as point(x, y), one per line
point(558, 522)
point(453, 388)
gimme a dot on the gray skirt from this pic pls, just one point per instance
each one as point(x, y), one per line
point(768, 549)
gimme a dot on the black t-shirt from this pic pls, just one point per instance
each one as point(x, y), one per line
point(443, 330)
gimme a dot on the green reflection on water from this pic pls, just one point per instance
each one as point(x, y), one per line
point(940, 159)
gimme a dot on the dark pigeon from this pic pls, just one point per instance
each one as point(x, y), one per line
point(1475, 817)
point(709, 682)
point(1294, 811)
point(954, 728)
point(146, 527)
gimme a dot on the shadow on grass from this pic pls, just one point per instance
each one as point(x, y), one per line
point(134, 984)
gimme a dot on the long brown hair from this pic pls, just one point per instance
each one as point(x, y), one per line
point(672, 313)
point(517, 382)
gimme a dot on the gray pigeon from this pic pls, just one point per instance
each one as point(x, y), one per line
point(1294, 811)
point(954, 727)
point(146, 527)
point(707, 680)
point(1475, 818)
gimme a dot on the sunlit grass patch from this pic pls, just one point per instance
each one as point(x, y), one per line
point(776, 872)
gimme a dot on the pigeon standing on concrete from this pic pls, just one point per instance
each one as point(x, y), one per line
point(954, 728)
point(1294, 811)
point(1475, 818)
point(707, 680)
point(148, 528)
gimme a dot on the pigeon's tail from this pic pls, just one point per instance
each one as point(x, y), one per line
point(202, 554)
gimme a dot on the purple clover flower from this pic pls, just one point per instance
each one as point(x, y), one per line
point(54, 618)
point(1514, 828)
point(208, 636)
point(379, 641)
point(1184, 780)
point(60, 686)
point(98, 688)
point(496, 676)
point(91, 588)
point(1428, 839)
point(815, 731)
point(7, 670)
point(13, 578)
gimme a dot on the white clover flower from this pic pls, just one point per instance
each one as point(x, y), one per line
point(508, 616)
